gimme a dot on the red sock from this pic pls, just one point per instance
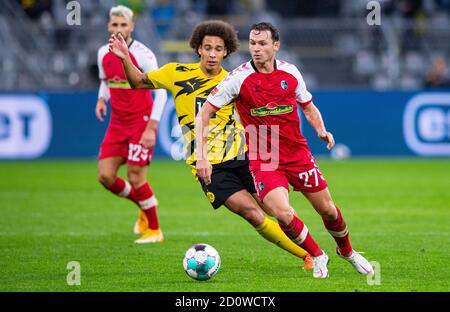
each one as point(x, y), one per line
point(122, 188)
point(338, 229)
point(147, 202)
point(299, 234)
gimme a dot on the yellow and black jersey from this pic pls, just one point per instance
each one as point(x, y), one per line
point(190, 87)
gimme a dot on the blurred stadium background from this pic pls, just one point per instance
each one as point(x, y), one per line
point(384, 91)
point(344, 60)
point(330, 40)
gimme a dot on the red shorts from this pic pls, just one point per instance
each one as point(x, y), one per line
point(123, 141)
point(303, 177)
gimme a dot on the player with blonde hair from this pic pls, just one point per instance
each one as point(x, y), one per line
point(128, 131)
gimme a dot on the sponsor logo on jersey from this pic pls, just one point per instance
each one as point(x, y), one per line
point(116, 83)
point(272, 109)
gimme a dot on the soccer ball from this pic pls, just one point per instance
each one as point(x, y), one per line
point(201, 262)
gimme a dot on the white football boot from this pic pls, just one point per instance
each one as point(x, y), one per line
point(320, 266)
point(358, 262)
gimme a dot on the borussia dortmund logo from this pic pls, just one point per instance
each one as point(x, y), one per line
point(261, 186)
point(211, 197)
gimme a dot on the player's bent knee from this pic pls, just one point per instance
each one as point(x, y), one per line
point(329, 212)
point(249, 212)
point(106, 179)
point(253, 216)
point(329, 215)
point(284, 215)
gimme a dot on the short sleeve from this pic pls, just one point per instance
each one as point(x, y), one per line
point(161, 78)
point(100, 55)
point(146, 59)
point(303, 96)
point(225, 92)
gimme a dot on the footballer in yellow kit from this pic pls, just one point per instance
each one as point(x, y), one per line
point(231, 182)
point(190, 87)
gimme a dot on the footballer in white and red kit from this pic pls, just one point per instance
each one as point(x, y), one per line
point(267, 93)
point(124, 141)
point(271, 100)
point(130, 109)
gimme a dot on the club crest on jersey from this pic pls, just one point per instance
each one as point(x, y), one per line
point(261, 186)
point(272, 109)
point(284, 84)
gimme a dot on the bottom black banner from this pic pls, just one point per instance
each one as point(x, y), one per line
point(223, 301)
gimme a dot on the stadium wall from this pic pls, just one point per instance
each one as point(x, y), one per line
point(364, 123)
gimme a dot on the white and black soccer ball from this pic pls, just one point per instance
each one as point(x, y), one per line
point(201, 262)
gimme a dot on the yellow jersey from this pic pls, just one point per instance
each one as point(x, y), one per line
point(190, 87)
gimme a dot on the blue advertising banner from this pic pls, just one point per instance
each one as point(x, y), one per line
point(364, 123)
point(385, 123)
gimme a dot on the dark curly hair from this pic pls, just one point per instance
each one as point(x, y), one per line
point(215, 28)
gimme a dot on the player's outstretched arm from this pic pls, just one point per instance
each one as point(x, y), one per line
point(136, 78)
point(314, 118)
point(203, 166)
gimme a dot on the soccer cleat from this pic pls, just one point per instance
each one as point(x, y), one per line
point(141, 224)
point(358, 262)
point(150, 236)
point(320, 266)
point(308, 262)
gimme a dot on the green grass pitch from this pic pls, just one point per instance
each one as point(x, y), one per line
point(54, 212)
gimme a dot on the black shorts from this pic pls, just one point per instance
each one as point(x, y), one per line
point(228, 178)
